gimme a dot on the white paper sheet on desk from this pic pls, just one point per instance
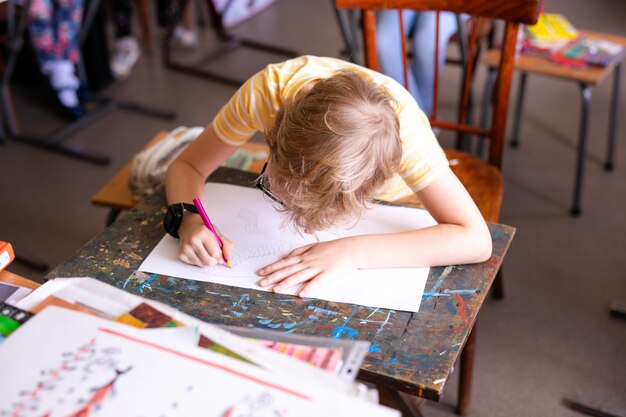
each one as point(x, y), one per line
point(261, 237)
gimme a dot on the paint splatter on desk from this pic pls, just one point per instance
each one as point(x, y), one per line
point(410, 352)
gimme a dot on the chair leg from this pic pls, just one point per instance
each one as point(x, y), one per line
point(466, 372)
point(582, 149)
point(484, 117)
point(408, 405)
point(145, 25)
point(345, 19)
point(518, 110)
point(610, 153)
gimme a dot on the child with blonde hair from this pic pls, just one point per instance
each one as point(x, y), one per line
point(339, 135)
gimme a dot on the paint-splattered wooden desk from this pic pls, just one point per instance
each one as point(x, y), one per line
point(413, 353)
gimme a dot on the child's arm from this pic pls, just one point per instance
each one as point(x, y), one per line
point(461, 236)
point(184, 181)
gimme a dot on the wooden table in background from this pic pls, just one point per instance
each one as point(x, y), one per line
point(410, 352)
point(587, 78)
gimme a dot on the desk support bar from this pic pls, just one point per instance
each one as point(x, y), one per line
point(585, 91)
point(229, 44)
point(610, 152)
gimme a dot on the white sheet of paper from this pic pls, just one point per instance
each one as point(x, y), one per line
point(94, 366)
point(261, 237)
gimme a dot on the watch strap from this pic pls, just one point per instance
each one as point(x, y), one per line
point(174, 217)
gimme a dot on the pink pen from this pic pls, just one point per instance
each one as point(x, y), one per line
point(209, 225)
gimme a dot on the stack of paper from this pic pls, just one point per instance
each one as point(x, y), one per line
point(87, 295)
point(67, 363)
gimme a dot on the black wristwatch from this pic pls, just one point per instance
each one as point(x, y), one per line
point(174, 217)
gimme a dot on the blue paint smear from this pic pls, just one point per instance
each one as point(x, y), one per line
point(192, 285)
point(375, 348)
point(313, 318)
point(245, 297)
point(448, 293)
point(442, 278)
point(273, 326)
point(266, 322)
point(451, 307)
point(338, 332)
point(145, 284)
point(428, 295)
point(236, 313)
point(474, 291)
point(128, 279)
point(350, 332)
point(289, 325)
point(392, 360)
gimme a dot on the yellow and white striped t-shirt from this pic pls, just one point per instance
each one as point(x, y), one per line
point(256, 103)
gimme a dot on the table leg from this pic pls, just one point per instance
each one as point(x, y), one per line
point(465, 376)
point(497, 288)
point(408, 405)
point(518, 110)
point(585, 90)
point(610, 152)
point(112, 216)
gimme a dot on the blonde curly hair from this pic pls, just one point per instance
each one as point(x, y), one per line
point(332, 148)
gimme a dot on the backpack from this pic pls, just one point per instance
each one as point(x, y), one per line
point(149, 166)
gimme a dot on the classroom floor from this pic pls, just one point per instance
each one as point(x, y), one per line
point(550, 338)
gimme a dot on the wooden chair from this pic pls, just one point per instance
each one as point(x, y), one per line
point(482, 178)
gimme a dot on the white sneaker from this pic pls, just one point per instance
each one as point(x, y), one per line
point(61, 74)
point(185, 37)
point(126, 55)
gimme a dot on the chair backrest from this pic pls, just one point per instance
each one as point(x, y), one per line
point(512, 12)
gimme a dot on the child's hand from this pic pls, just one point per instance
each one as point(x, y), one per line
point(198, 246)
point(316, 264)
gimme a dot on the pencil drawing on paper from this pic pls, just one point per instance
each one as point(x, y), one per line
point(254, 254)
point(251, 221)
point(248, 259)
point(258, 406)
